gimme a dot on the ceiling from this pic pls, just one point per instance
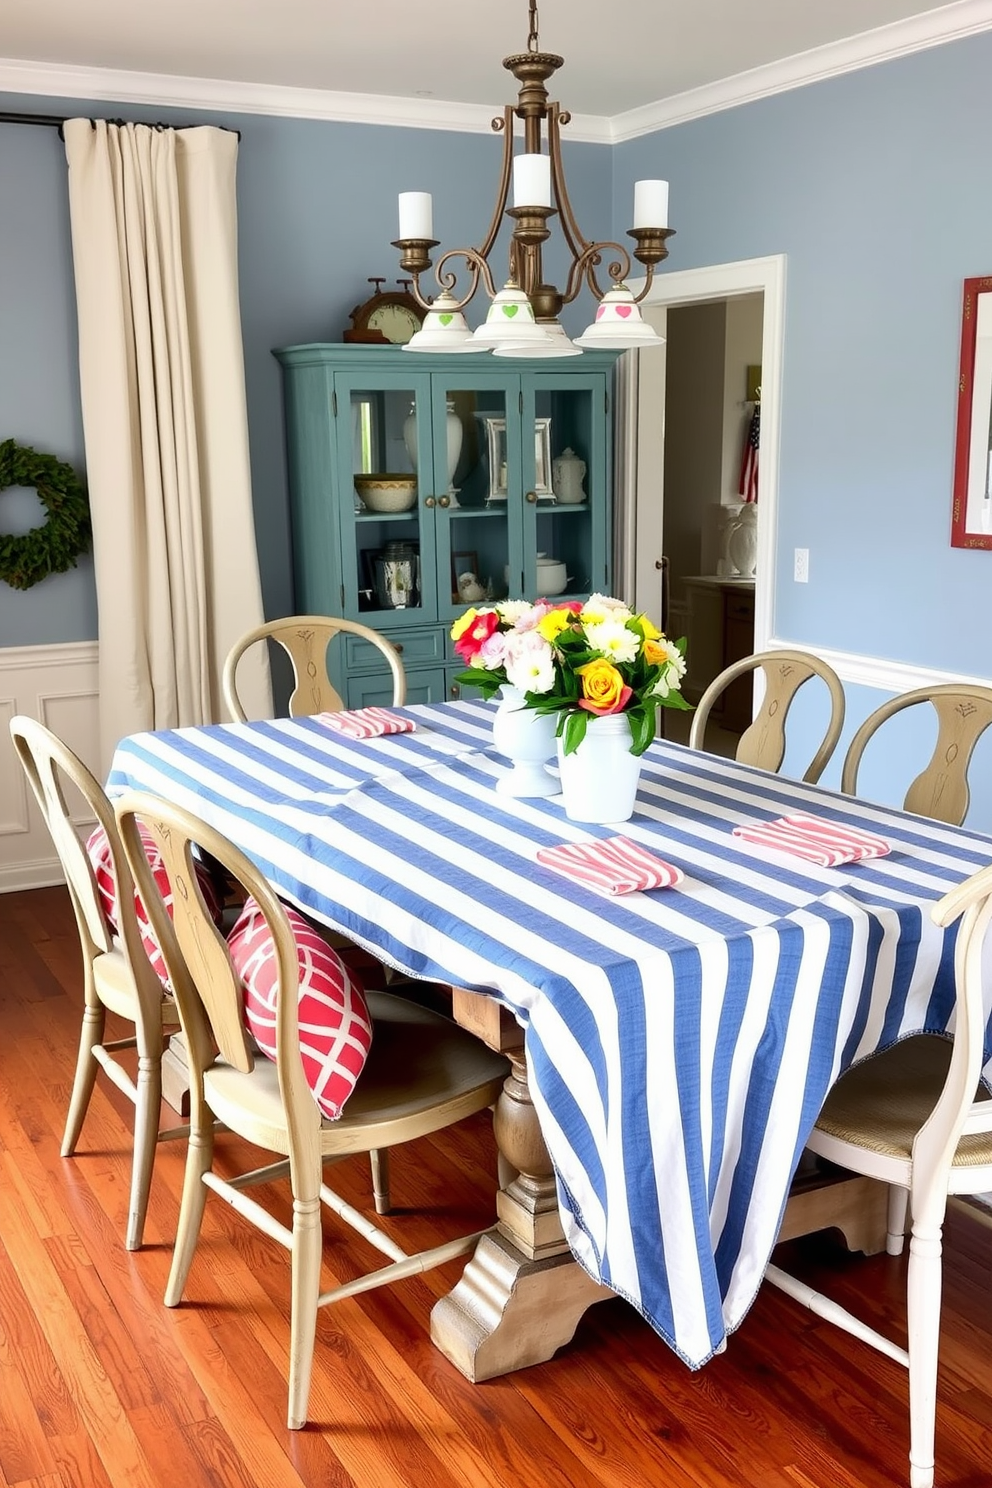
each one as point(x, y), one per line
point(618, 58)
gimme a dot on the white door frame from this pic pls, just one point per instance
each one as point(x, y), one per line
point(640, 525)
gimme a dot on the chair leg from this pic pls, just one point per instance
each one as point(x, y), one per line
point(897, 1216)
point(90, 1034)
point(923, 1317)
point(308, 1242)
point(379, 1157)
point(146, 1119)
point(199, 1159)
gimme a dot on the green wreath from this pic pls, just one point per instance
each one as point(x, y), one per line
point(57, 543)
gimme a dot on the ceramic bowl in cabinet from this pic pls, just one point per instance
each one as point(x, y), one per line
point(387, 493)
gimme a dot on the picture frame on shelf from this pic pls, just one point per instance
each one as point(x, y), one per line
point(496, 446)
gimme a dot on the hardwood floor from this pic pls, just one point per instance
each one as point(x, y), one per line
point(102, 1387)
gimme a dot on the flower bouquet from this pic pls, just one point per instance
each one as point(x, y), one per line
point(580, 660)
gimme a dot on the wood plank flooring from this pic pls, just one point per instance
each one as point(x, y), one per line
point(102, 1387)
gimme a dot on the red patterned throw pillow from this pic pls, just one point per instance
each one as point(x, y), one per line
point(98, 849)
point(335, 1027)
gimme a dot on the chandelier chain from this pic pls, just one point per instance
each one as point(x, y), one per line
point(533, 43)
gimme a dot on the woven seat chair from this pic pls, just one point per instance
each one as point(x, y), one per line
point(117, 975)
point(305, 639)
point(763, 741)
point(422, 1074)
point(964, 712)
point(917, 1117)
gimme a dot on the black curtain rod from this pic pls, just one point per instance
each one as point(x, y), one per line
point(55, 121)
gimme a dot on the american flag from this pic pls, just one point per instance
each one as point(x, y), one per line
point(748, 484)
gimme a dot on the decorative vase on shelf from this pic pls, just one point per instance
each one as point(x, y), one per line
point(743, 543)
point(527, 739)
point(567, 474)
point(599, 779)
point(454, 443)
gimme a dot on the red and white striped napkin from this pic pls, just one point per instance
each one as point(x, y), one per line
point(367, 723)
point(828, 843)
point(614, 866)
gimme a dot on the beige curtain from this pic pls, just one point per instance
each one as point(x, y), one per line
point(154, 243)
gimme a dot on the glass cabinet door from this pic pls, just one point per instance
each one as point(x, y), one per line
point(475, 432)
point(566, 524)
point(386, 508)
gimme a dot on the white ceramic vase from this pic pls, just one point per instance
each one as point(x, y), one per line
point(743, 543)
point(527, 739)
point(599, 779)
point(454, 434)
point(568, 473)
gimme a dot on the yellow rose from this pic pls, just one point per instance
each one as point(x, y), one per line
point(651, 631)
point(462, 624)
point(654, 654)
point(603, 688)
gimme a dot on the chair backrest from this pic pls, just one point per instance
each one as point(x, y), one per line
point(207, 988)
point(957, 1113)
point(47, 761)
point(763, 741)
point(305, 639)
point(964, 712)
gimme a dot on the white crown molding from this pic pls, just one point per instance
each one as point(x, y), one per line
point(876, 671)
point(900, 39)
point(159, 90)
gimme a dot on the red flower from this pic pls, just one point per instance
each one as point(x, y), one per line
point(481, 628)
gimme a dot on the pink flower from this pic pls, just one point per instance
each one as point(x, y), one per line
point(492, 652)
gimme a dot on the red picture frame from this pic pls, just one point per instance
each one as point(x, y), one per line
point(963, 534)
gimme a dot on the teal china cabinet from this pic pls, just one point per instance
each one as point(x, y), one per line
point(457, 460)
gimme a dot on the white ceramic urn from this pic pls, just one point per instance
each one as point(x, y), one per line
point(743, 545)
point(567, 474)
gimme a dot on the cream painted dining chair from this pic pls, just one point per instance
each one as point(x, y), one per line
point(305, 639)
point(917, 1118)
point(117, 975)
point(422, 1074)
point(964, 712)
point(763, 741)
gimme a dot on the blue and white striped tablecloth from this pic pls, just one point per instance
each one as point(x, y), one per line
point(680, 1043)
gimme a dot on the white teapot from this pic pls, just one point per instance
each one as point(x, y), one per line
point(567, 474)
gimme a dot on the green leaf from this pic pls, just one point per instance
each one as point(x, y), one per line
point(575, 730)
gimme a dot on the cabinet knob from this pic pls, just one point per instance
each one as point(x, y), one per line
point(429, 501)
point(455, 690)
point(531, 497)
point(398, 647)
point(444, 501)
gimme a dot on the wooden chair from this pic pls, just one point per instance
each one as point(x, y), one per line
point(916, 1117)
point(763, 742)
point(964, 712)
point(117, 975)
point(305, 639)
point(423, 1073)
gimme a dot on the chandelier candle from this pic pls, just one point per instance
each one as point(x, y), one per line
point(537, 177)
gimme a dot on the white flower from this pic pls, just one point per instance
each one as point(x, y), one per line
point(530, 662)
point(676, 661)
point(673, 670)
point(600, 607)
point(512, 611)
point(613, 639)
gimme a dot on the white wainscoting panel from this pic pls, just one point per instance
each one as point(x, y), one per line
point(58, 686)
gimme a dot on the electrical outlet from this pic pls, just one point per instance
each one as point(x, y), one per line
point(801, 570)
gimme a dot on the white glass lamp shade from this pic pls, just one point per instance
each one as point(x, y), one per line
point(444, 329)
point(510, 318)
point(619, 324)
point(553, 343)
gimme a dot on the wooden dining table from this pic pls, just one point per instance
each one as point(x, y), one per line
point(670, 1050)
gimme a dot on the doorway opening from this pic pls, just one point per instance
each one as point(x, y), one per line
point(685, 414)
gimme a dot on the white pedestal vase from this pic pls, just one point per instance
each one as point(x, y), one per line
point(527, 739)
point(743, 544)
point(599, 779)
point(454, 444)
